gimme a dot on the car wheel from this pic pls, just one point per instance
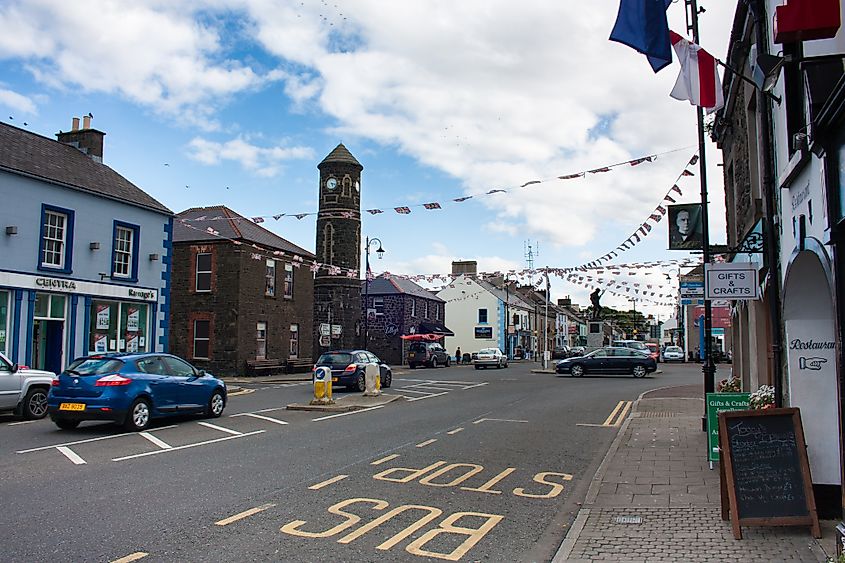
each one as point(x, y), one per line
point(216, 404)
point(388, 379)
point(66, 423)
point(433, 362)
point(412, 366)
point(477, 367)
point(577, 370)
point(138, 417)
point(639, 371)
point(35, 404)
point(361, 382)
point(448, 361)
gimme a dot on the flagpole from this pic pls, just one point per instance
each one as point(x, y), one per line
point(708, 367)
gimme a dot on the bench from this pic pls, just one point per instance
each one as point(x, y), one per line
point(264, 367)
point(299, 365)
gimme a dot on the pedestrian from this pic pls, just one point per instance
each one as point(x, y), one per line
point(458, 355)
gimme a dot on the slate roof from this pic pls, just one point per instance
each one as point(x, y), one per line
point(229, 225)
point(393, 286)
point(512, 297)
point(29, 154)
point(340, 154)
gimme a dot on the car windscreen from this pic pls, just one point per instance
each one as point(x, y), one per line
point(94, 366)
point(487, 351)
point(636, 345)
point(673, 349)
point(333, 359)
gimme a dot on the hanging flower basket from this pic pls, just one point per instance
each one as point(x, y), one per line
point(763, 398)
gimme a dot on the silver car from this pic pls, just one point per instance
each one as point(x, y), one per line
point(490, 357)
point(673, 354)
point(24, 391)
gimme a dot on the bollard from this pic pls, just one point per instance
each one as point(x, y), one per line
point(372, 377)
point(322, 387)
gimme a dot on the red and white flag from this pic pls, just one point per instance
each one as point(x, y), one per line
point(698, 80)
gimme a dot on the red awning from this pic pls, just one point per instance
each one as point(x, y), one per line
point(427, 337)
point(806, 20)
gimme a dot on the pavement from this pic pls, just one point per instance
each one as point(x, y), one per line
point(654, 497)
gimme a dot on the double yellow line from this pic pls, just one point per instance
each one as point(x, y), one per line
point(619, 413)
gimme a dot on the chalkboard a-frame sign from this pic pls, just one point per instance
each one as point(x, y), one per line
point(765, 474)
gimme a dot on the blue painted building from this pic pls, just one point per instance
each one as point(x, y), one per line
point(85, 255)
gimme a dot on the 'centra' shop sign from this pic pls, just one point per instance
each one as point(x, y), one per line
point(56, 283)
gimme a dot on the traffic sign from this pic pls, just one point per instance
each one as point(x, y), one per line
point(325, 329)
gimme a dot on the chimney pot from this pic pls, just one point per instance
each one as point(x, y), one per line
point(75, 126)
point(86, 122)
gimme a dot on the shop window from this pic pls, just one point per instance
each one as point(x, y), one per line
point(270, 279)
point(289, 281)
point(125, 251)
point(482, 316)
point(413, 307)
point(49, 306)
point(118, 327)
point(261, 341)
point(56, 246)
point(378, 305)
point(4, 320)
point(203, 275)
point(202, 338)
point(294, 341)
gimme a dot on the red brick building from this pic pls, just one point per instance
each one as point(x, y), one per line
point(235, 305)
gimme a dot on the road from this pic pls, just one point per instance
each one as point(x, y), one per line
point(483, 465)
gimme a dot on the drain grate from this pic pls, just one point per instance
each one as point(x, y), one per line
point(629, 519)
point(656, 414)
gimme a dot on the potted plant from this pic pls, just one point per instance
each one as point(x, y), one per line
point(729, 385)
point(763, 398)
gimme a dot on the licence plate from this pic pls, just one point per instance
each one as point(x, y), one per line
point(334, 380)
point(72, 407)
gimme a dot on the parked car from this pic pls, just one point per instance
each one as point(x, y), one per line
point(674, 354)
point(348, 367)
point(132, 389)
point(653, 351)
point(490, 357)
point(609, 360)
point(24, 391)
point(577, 351)
point(633, 344)
point(429, 354)
point(561, 352)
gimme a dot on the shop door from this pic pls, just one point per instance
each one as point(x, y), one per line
point(48, 345)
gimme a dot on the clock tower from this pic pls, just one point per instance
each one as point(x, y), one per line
point(337, 297)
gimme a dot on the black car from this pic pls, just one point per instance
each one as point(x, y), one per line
point(429, 354)
point(348, 368)
point(609, 360)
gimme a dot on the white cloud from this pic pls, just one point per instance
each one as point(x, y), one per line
point(262, 161)
point(17, 102)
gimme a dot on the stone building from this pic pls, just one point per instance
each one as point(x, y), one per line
point(236, 307)
point(397, 307)
point(337, 297)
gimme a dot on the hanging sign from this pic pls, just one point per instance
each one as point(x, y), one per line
point(731, 281)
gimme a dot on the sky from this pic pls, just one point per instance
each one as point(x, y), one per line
point(235, 102)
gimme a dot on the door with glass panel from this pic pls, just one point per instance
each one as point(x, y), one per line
point(48, 330)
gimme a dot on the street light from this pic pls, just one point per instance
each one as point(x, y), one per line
point(367, 276)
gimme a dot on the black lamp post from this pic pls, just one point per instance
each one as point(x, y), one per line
point(367, 275)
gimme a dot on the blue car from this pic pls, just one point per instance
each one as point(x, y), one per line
point(132, 389)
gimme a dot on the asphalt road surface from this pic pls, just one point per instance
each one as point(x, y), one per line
point(482, 465)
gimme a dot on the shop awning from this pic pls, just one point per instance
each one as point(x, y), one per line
point(433, 327)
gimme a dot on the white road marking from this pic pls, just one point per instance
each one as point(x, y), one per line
point(262, 417)
point(244, 514)
point(131, 557)
point(328, 482)
point(71, 455)
point(189, 446)
point(480, 420)
point(442, 381)
point(160, 443)
point(410, 400)
point(427, 442)
point(347, 413)
point(455, 431)
point(220, 428)
point(22, 422)
point(409, 390)
point(91, 440)
point(384, 459)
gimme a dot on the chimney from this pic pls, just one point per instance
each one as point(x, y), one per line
point(466, 267)
point(87, 140)
point(565, 302)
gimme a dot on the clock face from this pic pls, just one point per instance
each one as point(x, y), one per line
point(331, 183)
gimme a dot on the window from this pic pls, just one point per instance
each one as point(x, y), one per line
point(425, 310)
point(151, 364)
point(436, 312)
point(288, 281)
point(482, 316)
point(125, 251)
point(261, 341)
point(203, 276)
point(294, 341)
point(413, 307)
point(328, 244)
point(117, 327)
point(177, 367)
point(202, 336)
point(270, 279)
point(4, 319)
point(56, 239)
point(378, 305)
